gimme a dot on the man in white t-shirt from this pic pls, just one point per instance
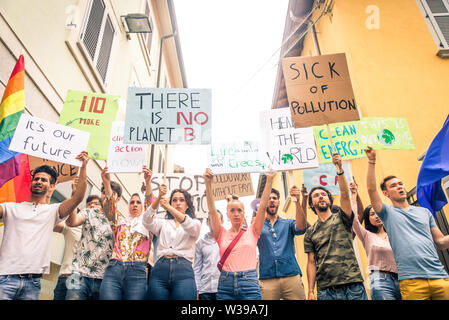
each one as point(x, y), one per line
point(26, 246)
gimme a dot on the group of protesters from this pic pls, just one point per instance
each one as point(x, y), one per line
point(110, 254)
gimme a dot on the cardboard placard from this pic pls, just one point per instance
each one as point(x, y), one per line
point(319, 90)
point(236, 157)
point(239, 184)
point(48, 140)
point(326, 176)
point(168, 116)
point(91, 112)
point(124, 157)
point(286, 147)
point(66, 172)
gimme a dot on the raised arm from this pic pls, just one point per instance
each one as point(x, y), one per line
point(214, 217)
point(70, 204)
point(374, 196)
point(261, 211)
point(354, 187)
point(304, 200)
point(110, 202)
point(301, 216)
point(74, 219)
point(311, 275)
point(345, 199)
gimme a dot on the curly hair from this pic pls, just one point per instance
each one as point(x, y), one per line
point(48, 170)
point(190, 207)
point(331, 199)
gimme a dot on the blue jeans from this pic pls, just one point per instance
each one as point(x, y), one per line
point(124, 281)
point(350, 291)
point(384, 286)
point(242, 285)
point(17, 287)
point(85, 289)
point(172, 279)
point(59, 293)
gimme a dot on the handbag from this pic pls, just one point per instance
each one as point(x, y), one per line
point(229, 249)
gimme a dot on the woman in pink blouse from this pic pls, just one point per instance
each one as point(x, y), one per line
point(384, 281)
point(238, 278)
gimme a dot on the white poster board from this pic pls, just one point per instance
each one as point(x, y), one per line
point(286, 147)
point(48, 140)
point(124, 157)
point(168, 116)
point(192, 183)
point(236, 157)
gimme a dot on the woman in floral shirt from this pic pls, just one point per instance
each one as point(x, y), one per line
point(126, 274)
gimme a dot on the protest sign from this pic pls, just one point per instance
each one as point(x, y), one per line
point(168, 116)
point(345, 138)
point(48, 140)
point(326, 176)
point(319, 90)
point(194, 184)
point(286, 147)
point(94, 113)
point(385, 133)
point(66, 172)
point(239, 184)
point(236, 157)
point(124, 157)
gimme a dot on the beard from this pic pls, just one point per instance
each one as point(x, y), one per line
point(38, 193)
point(322, 208)
point(272, 212)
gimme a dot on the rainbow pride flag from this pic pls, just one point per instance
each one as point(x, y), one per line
point(15, 178)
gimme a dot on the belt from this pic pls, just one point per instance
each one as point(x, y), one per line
point(171, 257)
point(394, 274)
point(28, 275)
point(339, 286)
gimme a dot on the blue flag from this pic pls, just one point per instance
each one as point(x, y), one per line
point(435, 166)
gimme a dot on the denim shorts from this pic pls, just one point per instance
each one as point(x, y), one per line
point(242, 285)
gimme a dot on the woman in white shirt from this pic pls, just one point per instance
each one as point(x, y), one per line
point(172, 277)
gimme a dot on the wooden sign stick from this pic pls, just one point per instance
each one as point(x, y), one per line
point(165, 164)
point(329, 134)
point(291, 182)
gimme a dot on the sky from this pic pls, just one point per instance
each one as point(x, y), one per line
point(231, 47)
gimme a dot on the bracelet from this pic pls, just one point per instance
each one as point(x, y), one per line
point(371, 162)
point(339, 174)
point(185, 217)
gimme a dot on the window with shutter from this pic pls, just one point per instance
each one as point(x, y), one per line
point(149, 36)
point(437, 12)
point(98, 37)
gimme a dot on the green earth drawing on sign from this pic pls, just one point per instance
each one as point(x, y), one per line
point(287, 157)
point(386, 137)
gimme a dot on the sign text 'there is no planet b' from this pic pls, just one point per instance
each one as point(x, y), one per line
point(168, 116)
